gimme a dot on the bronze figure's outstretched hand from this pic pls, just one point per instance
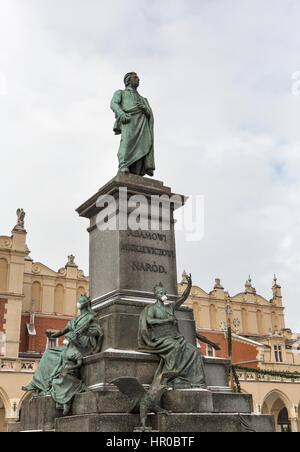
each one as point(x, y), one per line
point(186, 293)
point(49, 334)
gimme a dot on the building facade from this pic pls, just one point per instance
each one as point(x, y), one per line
point(260, 341)
point(33, 299)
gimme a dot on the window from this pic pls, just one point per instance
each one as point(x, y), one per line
point(59, 299)
point(36, 293)
point(260, 323)
point(52, 343)
point(210, 351)
point(278, 353)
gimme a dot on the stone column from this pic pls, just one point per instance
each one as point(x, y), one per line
point(15, 291)
point(294, 424)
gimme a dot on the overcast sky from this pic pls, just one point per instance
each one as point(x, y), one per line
point(218, 75)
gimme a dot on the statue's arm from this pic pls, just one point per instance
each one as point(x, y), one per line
point(186, 293)
point(204, 339)
point(76, 366)
point(116, 106)
point(58, 333)
point(116, 103)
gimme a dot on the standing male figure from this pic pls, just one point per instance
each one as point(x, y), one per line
point(134, 121)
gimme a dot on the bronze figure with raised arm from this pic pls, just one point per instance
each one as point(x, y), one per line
point(159, 334)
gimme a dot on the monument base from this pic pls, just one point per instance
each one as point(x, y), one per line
point(125, 266)
point(104, 409)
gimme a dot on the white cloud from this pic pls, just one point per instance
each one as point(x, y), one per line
point(218, 76)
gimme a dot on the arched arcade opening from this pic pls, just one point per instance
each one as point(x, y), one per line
point(279, 405)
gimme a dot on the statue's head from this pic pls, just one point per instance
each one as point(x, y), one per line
point(160, 292)
point(131, 79)
point(84, 302)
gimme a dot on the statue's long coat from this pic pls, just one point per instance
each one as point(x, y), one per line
point(137, 141)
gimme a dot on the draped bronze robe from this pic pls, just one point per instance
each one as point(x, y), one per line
point(87, 337)
point(136, 151)
point(164, 339)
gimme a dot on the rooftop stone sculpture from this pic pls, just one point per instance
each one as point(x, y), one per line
point(21, 220)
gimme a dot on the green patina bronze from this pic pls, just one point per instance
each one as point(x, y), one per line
point(159, 334)
point(143, 401)
point(134, 122)
point(58, 373)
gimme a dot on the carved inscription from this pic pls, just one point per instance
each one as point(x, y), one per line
point(153, 268)
point(148, 235)
point(149, 250)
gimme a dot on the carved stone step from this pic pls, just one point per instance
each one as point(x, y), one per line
point(205, 422)
point(39, 414)
point(98, 423)
point(112, 401)
point(232, 402)
point(213, 423)
point(109, 400)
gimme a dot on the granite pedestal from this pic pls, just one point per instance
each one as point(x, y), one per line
point(126, 265)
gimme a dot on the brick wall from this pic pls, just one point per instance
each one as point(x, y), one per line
point(241, 351)
point(38, 343)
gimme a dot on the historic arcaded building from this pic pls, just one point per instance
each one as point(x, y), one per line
point(33, 299)
point(260, 341)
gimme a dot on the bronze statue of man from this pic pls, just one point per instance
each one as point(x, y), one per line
point(134, 121)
